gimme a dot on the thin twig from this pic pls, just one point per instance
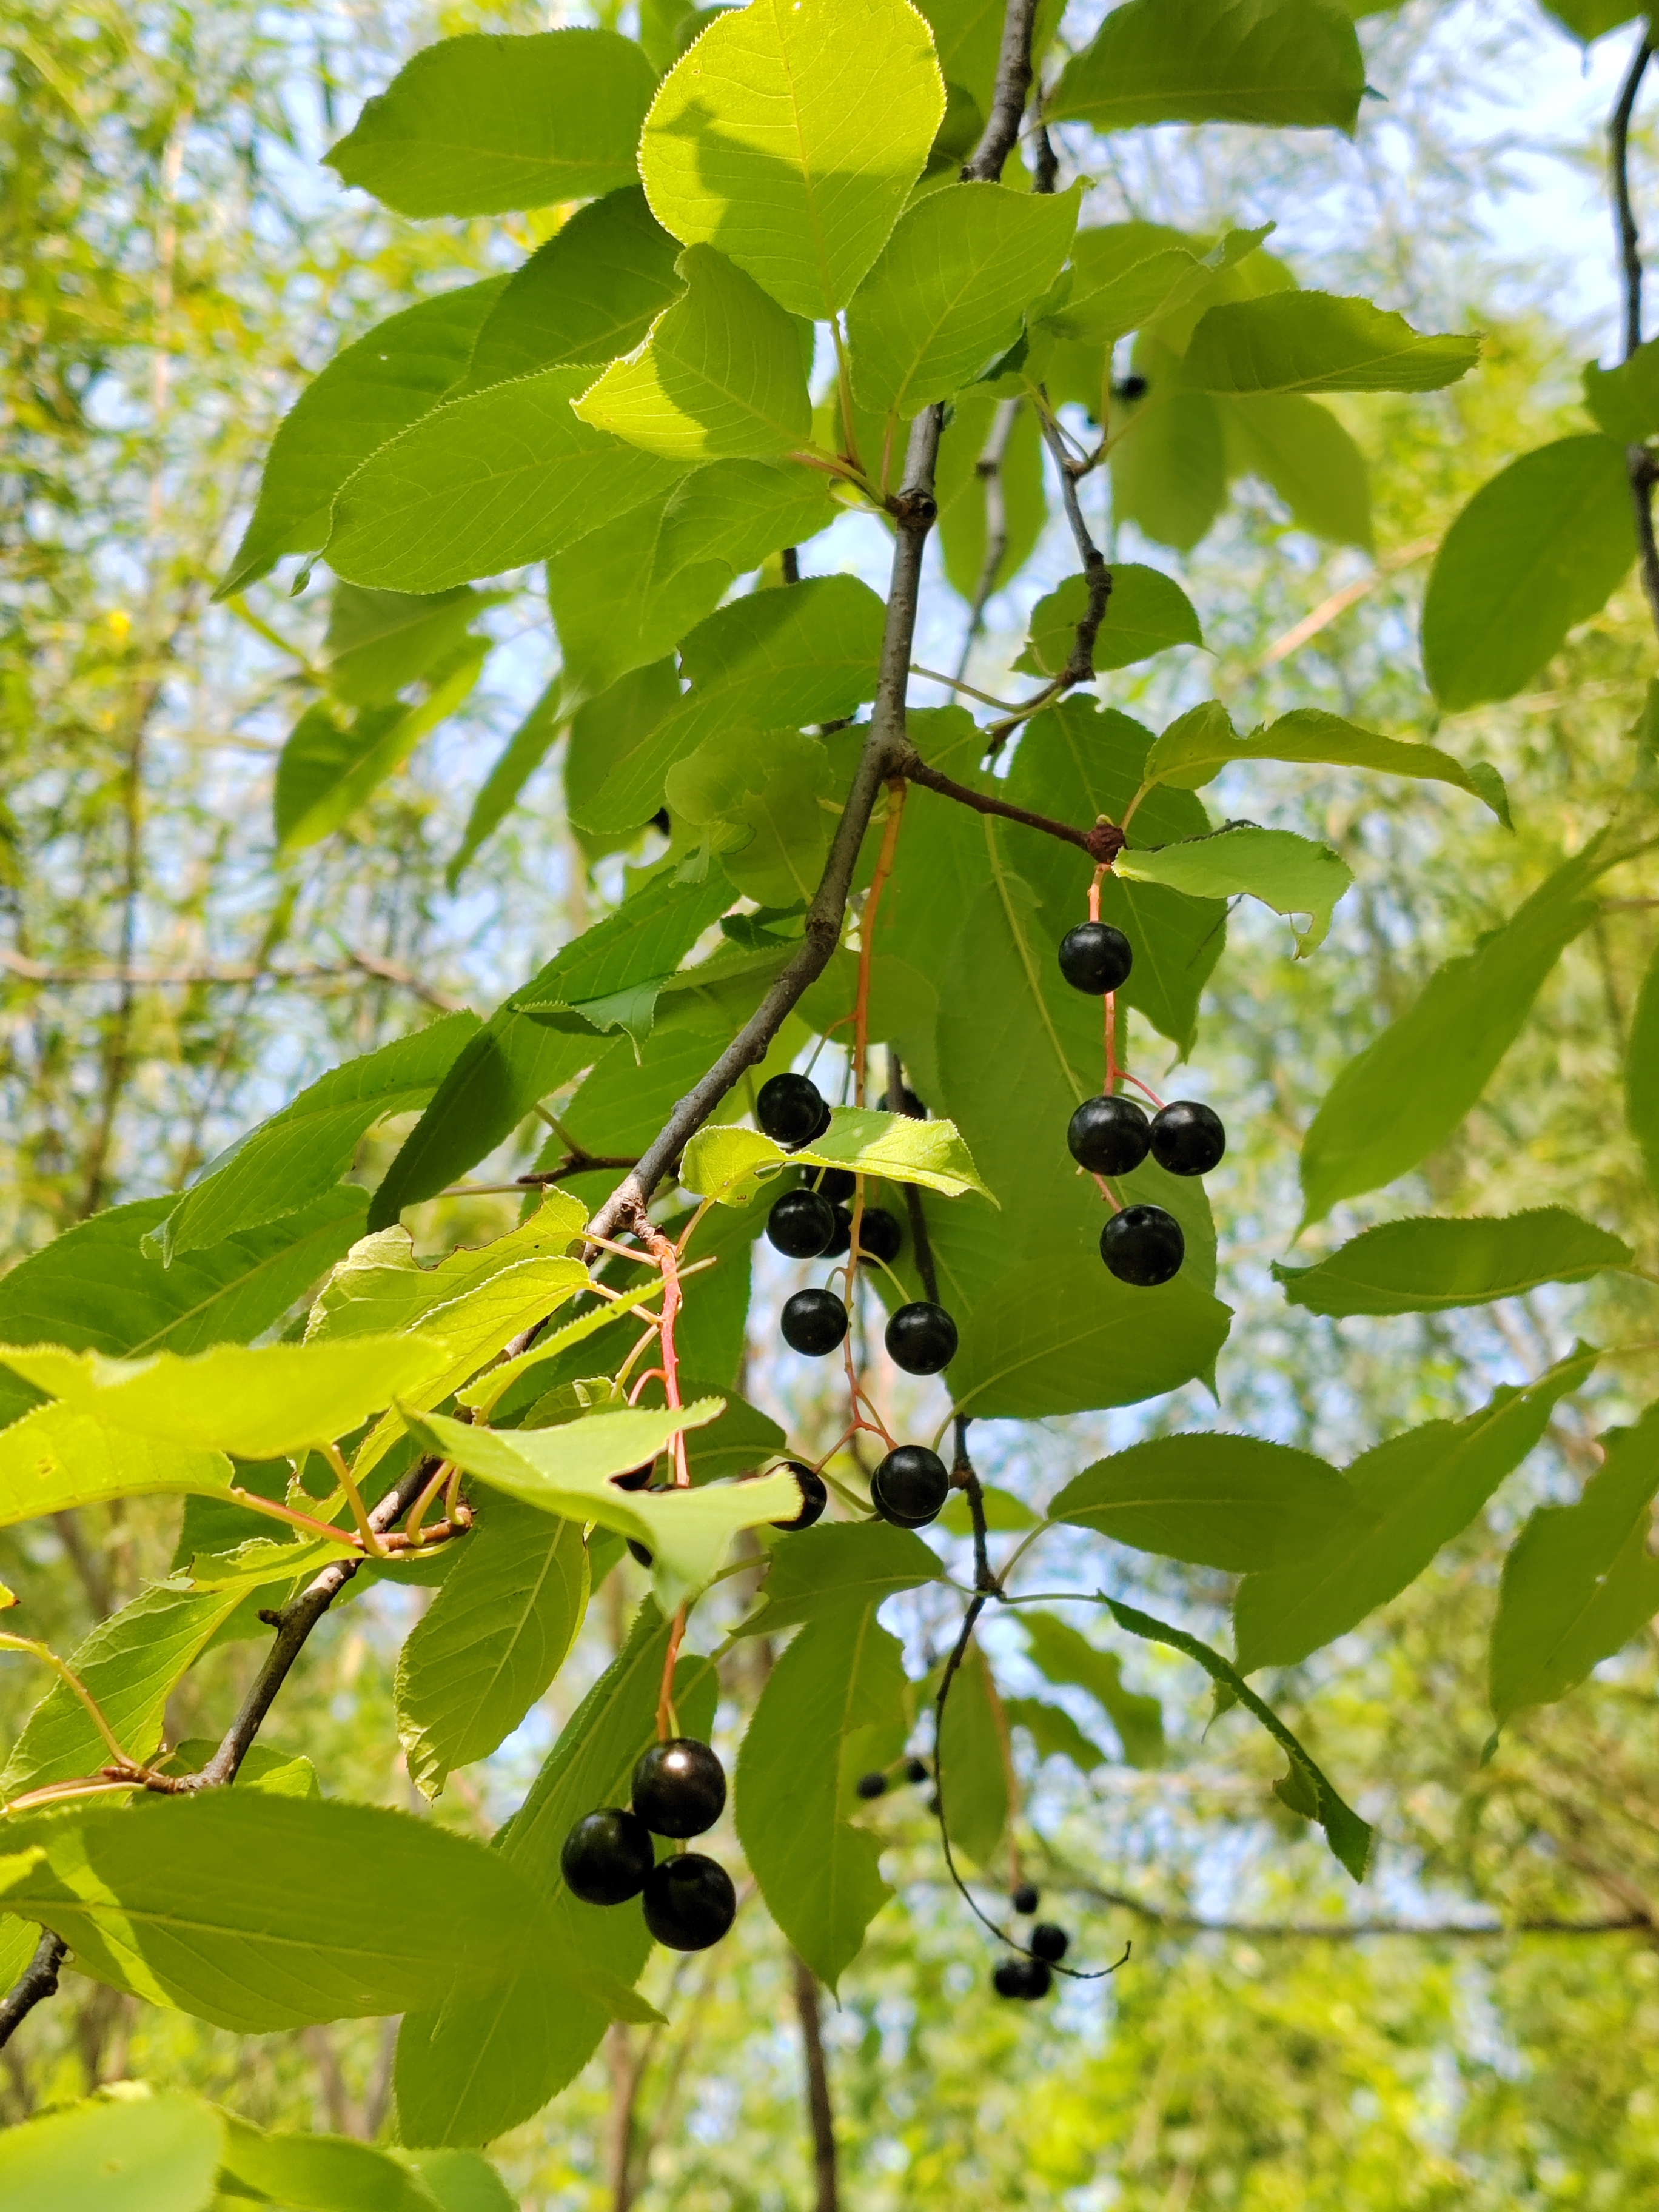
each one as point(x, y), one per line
point(231, 972)
point(1102, 843)
point(1001, 133)
point(989, 470)
point(820, 2112)
point(38, 1980)
point(1638, 460)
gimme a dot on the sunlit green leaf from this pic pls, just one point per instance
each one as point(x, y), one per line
point(1146, 613)
point(733, 1165)
point(1285, 62)
point(153, 2154)
point(1317, 341)
point(1236, 1502)
point(1198, 746)
point(1293, 875)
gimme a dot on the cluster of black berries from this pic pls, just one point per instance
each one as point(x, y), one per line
point(1032, 1977)
point(1141, 1244)
point(678, 1791)
point(911, 1485)
point(877, 1783)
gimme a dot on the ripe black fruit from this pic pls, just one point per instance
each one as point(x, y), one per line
point(791, 1109)
point(637, 1478)
point(689, 1902)
point(1049, 1941)
point(801, 1223)
point(836, 1184)
point(1108, 1136)
point(1143, 1245)
point(813, 1322)
point(872, 1785)
point(841, 1237)
point(814, 1496)
point(1022, 1978)
point(1026, 1897)
point(1096, 957)
point(922, 1339)
point(880, 1237)
point(1187, 1137)
point(910, 1486)
point(915, 1770)
point(679, 1788)
point(607, 1856)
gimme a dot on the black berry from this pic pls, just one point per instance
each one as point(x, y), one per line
point(1108, 1136)
point(1096, 957)
point(872, 1785)
point(915, 1770)
point(840, 1235)
point(660, 821)
point(836, 1184)
point(921, 1338)
point(910, 1486)
point(607, 1856)
point(879, 1234)
point(637, 1478)
point(1026, 1897)
point(1143, 1245)
point(814, 1496)
point(820, 1128)
point(1038, 1980)
point(1129, 387)
point(1187, 1137)
point(801, 1223)
point(647, 1558)
point(689, 1902)
point(1049, 1941)
point(679, 1788)
point(790, 1109)
point(1022, 1978)
point(814, 1321)
point(908, 1104)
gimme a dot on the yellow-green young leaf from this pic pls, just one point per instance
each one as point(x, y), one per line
point(483, 1394)
point(493, 1638)
point(1236, 1502)
point(480, 125)
point(492, 481)
point(1430, 1266)
point(789, 136)
point(460, 2180)
point(948, 296)
point(1624, 400)
point(1642, 1073)
point(365, 395)
point(971, 1768)
point(722, 375)
point(1301, 451)
point(260, 1560)
point(1535, 551)
point(1281, 61)
point(1146, 613)
point(732, 1165)
point(256, 1402)
point(158, 2152)
point(838, 1566)
point(1409, 1089)
point(55, 1457)
point(1579, 1582)
point(1065, 1655)
point(1293, 875)
point(592, 292)
point(1317, 341)
point(1411, 1495)
point(1202, 743)
point(328, 768)
point(832, 1709)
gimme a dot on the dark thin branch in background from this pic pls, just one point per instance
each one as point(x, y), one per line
point(1638, 459)
point(1348, 1931)
point(819, 2111)
point(38, 1979)
point(1008, 100)
point(1102, 843)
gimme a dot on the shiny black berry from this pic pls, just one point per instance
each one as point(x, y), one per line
point(1022, 1978)
point(1108, 1136)
point(607, 1856)
point(921, 1338)
point(1026, 1897)
point(1096, 957)
point(637, 1478)
point(872, 1785)
point(840, 1235)
point(880, 1237)
point(1049, 1941)
point(820, 1128)
point(689, 1902)
point(836, 1184)
point(1038, 1980)
point(679, 1788)
point(790, 1109)
point(1187, 1137)
point(1143, 1245)
point(915, 1770)
point(801, 1225)
point(910, 1486)
point(814, 1496)
point(813, 1322)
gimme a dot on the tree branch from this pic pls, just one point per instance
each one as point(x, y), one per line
point(1353, 1931)
point(38, 1980)
point(819, 2111)
point(1102, 843)
point(1638, 460)
point(1008, 100)
point(988, 469)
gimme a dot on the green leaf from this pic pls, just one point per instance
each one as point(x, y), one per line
point(1236, 1502)
point(789, 136)
point(1169, 460)
point(1624, 400)
point(1427, 1265)
point(485, 485)
point(948, 296)
point(1535, 552)
point(1293, 875)
point(212, 1904)
point(483, 1394)
point(836, 1567)
point(773, 660)
point(768, 801)
point(291, 1160)
point(378, 642)
point(589, 293)
point(481, 125)
point(1579, 1582)
point(734, 1165)
point(1003, 1512)
point(1146, 613)
point(832, 1709)
point(1125, 275)
point(1302, 452)
point(1063, 1655)
point(1589, 19)
point(970, 1763)
point(152, 2153)
point(1317, 341)
point(1055, 1733)
point(1409, 1090)
point(319, 2173)
point(1411, 1495)
point(327, 770)
point(56, 1457)
point(494, 1637)
point(1349, 1836)
point(460, 2180)
point(365, 396)
point(259, 1561)
point(1196, 748)
point(1279, 62)
point(481, 2066)
point(721, 376)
